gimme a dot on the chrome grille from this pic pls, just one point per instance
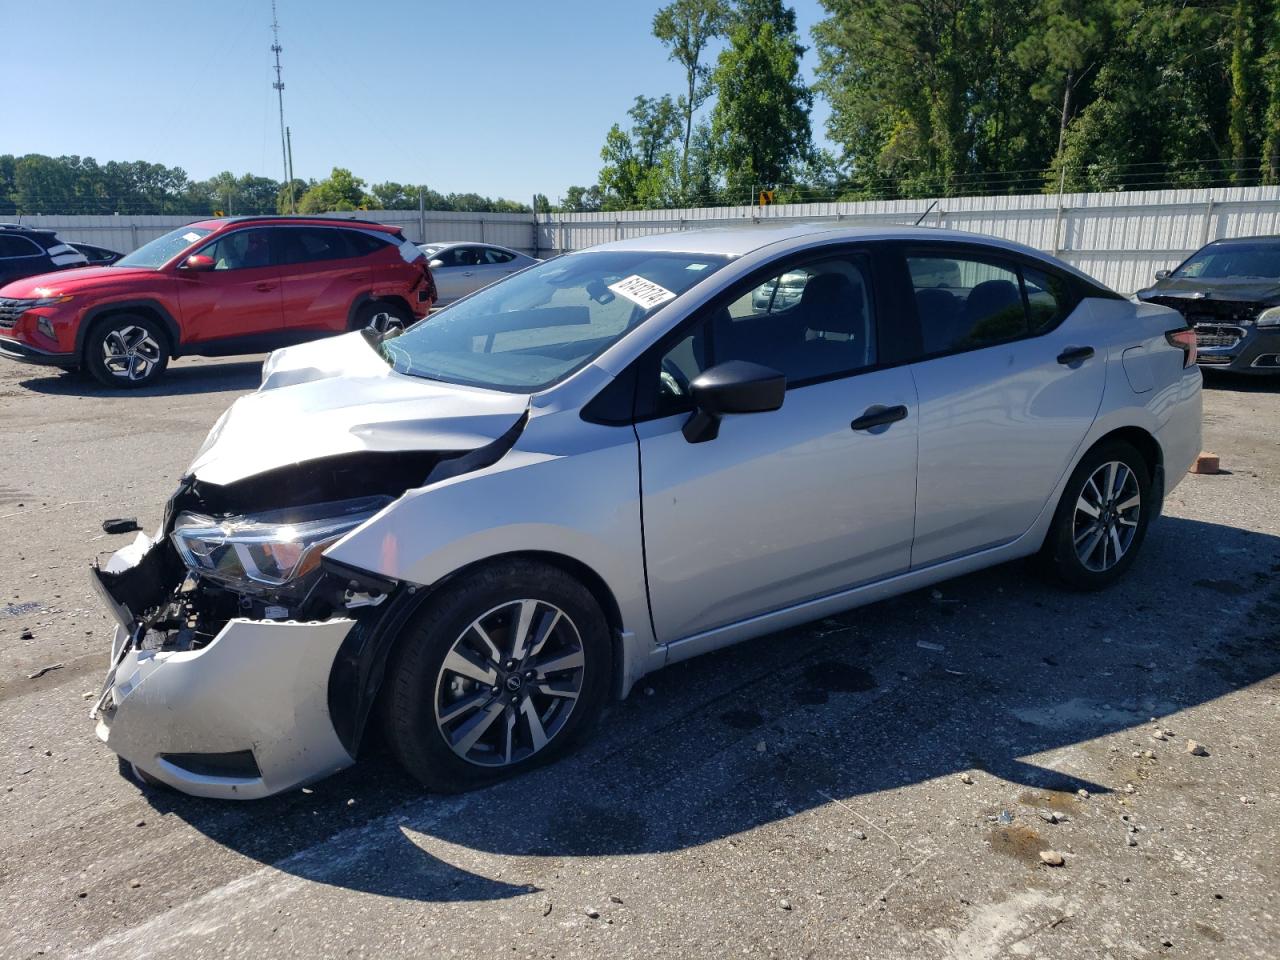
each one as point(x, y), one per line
point(1217, 335)
point(11, 310)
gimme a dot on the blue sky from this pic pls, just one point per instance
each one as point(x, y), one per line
point(501, 98)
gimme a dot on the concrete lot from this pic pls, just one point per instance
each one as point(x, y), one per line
point(833, 791)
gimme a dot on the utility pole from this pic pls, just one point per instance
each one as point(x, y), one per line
point(288, 136)
point(279, 88)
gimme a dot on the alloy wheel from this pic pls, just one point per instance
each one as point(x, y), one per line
point(1106, 516)
point(130, 353)
point(508, 684)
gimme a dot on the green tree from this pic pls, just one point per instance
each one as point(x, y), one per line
point(640, 168)
point(760, 121)
point(579, 200)
point(685, 27)
point(341, 190)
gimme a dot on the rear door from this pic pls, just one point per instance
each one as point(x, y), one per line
point(239, 297)
point(1007, 393)
point(323, 271)
point(786, 506)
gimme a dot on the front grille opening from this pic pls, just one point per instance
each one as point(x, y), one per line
point(1217, 335)
point(238, 765)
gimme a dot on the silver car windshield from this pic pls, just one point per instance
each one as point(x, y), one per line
point(534, 329)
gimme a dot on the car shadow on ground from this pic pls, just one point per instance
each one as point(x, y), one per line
point(1226, 382)
point(178, 379)
point(839, 710)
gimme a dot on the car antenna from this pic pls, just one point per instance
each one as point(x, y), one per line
point(926, 212)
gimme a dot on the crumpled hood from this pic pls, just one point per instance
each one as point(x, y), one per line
point(337, 396)
point(1245, 289)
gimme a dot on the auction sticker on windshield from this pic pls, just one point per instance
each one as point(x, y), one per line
point(644, 292)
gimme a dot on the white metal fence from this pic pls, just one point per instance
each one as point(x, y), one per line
point(127, 233)
point(1121, 239)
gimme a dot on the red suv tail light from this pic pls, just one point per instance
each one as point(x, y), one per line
point(1184, 338)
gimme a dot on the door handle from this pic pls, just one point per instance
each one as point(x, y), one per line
point(266, 287)
point(879, 416)
point(1074, 355)
point(468, 274)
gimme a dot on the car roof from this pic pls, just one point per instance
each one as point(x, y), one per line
point(1225, 241)
point(215, 223)
point(445, 244)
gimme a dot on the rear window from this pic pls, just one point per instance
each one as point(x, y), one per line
point(11, 246)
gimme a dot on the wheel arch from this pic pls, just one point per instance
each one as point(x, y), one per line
point(357, 680)
point(145, 307)
point(1147, 446)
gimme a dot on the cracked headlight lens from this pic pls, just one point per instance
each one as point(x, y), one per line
point(268, 553)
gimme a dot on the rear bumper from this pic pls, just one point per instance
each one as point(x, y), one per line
point(244, 717)
point(17, 350)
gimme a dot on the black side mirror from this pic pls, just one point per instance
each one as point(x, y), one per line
point(735, 386)
point(1162, 274)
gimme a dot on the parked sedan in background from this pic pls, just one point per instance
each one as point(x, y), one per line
point(97, 256)
point(480, 529)
point(462, 268)
point(1229, 291)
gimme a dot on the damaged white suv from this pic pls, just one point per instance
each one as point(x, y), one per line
point(479, 530)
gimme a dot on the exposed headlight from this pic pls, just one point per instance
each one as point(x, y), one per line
point(273, 553)
point(1269, 317)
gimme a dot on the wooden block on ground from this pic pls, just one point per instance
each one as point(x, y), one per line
point(1206, 463)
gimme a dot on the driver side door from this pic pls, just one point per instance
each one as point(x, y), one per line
point(790, 505)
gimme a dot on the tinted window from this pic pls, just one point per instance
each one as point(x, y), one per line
point(310, 244)
point(448, 257)
point(363, 244)
point(810, 323)
point(964, 303)
point(1049, 298)
point(240, 250)
point(11, 246)
point(491, 255)
point(543, 323)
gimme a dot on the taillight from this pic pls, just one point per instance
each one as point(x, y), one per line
point(1184, 339)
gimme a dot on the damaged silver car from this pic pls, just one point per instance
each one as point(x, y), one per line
point(477, 531)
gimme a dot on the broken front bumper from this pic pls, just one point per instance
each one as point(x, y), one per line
point(244, 716)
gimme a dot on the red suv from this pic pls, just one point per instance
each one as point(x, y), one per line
point(216, 288)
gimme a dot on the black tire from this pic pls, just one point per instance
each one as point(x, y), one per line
point(1061, 556)
point(417, 680)
point(138, 347)
point(382, 315)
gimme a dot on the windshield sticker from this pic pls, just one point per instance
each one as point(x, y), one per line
point(191, 237)
point(697, 266)
point(644, 292)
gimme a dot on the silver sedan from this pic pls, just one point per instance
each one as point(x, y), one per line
point(617, 460)
point(462, 268)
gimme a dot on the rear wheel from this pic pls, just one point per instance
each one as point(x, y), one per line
point(382, 316)
point(1102, 518)
point(502, 672)
point(126, 351)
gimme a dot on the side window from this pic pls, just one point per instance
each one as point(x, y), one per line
point(966, 302)
point(1049, 298)
point(311, 244)
point(465, 256)
point(362, 244)
point(18, 247)
point(810, 322)
point(240, 250)
point(497, 256)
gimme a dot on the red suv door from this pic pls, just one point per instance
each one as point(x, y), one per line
point(323, 270)
point(239, 297)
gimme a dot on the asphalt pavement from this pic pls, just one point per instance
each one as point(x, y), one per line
point(881, 784)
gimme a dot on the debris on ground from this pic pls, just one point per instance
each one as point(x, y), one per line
point(1196, 749)
point(43, 670)
point(1206, 463)
point(784, 904)
point(1082, 793)
point(546, 909)
point(615, 899)
point(1052, 816)
point(592, 912)
point(966, 778)
point(135, 884)
point(859, 835)
point(121, 525)
point(1052, 858)
point(27, 635)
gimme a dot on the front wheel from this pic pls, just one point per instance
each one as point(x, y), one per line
point(126, 351)
point(1102, 518)
point(503, 671)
